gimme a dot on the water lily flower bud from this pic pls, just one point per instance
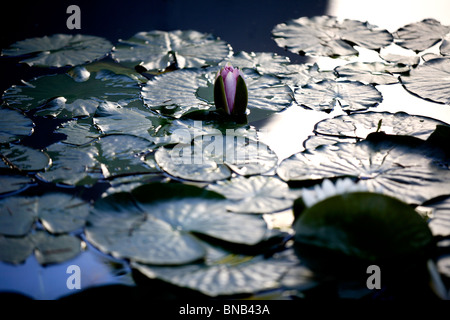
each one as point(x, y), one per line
point(230, 91)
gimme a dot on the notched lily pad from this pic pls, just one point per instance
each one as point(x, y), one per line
point(430, 80)
point(366, 226)
point(157, 50)
point(14, 125)
point(327, 94)
point(422, 35)
point(78, 132)
point(326, 36)
point(61, 96)
point(371, 72)
point(263, 62)
point(23, 158)
point(163, 231)
point(60, 50)
point(10, 183)
point(257, 194)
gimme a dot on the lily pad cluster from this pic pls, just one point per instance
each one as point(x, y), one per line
point(185, 193)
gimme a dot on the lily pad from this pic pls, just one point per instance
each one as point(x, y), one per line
point(422, 35)
point(430, 80)
point(360, 125)
point(212, 157)
point(11, 183)
point(440, 218)
point(72, 165)
point(257, 194)
point(263, 62)
point(180, 92)
point(14, 125)
point(326, 36)
point(223, 273)
point(15, 250)
point(299, 75)
point(17, 215)
point(162, 232)
point(60, 50)
point(157, 50)
point(327, 94)
point(401, 171)
point(367, 226)
point(24, 158)
point(78, 132)
point(371, 72)
point(61, 96)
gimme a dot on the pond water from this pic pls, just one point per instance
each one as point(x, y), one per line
point(246, 26)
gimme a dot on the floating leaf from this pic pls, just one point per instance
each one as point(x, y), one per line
point(257, 194)
point(371, 72)
point(15, 250)
point(440, 218)
point(360, 125)
point(299, 75)
point(17, 215)
point(422, 35)
point(350, 95)
point(60, 96)
point(78, 132)
point(223, 273)
point(11, 183)
point(60, 50)
point(263, 62)
point(14, 125)
point(399, 56)
point(72, 165)
point(325, 36)
point(430, 80)
point(180, 92)
point(55, 249)
point(123, 155)
point(162, 232)
point(157, 50)
point(398, 170)
point(24, 158)
point(367, 226)
point(210, 158)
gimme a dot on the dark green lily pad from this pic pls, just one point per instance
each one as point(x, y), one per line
point(371, 72)
point(326, 36)
point(78, 132)
point(61, 96)
point(72, 165)
point(24, 158)
point(257, 194)
point(157, 50)
point(11, 183)
point(212, 157)
point(181, 92)
point(17, 215)
point(430, 80)
point(163, 231)
point(349, 95)
point(360, 125)
point(15, 250)
point(14, 125)
point(402, 171)
point(223, 273)
point(60, 50)
point(367, 226)
point(422, 35)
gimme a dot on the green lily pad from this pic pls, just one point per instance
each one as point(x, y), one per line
point(11, 183)
point(78, 132)
point(371, 72)
point(24, 158)
point(325, 95)
point(184, 91)
point(15, 250)
point(72, 165)
point(60, 50)
point(367, 226)
point(163, 231)
point(212, 157)
point(157, 50)
point(223, 273)
point(422, 35)
point(326, 36)
point(61, 96)
point(17, 215)
point(256, 194)
point(430, 80)
point(14, 125)
point(399, 170)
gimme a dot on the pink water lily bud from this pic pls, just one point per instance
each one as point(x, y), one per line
point(230, 91)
